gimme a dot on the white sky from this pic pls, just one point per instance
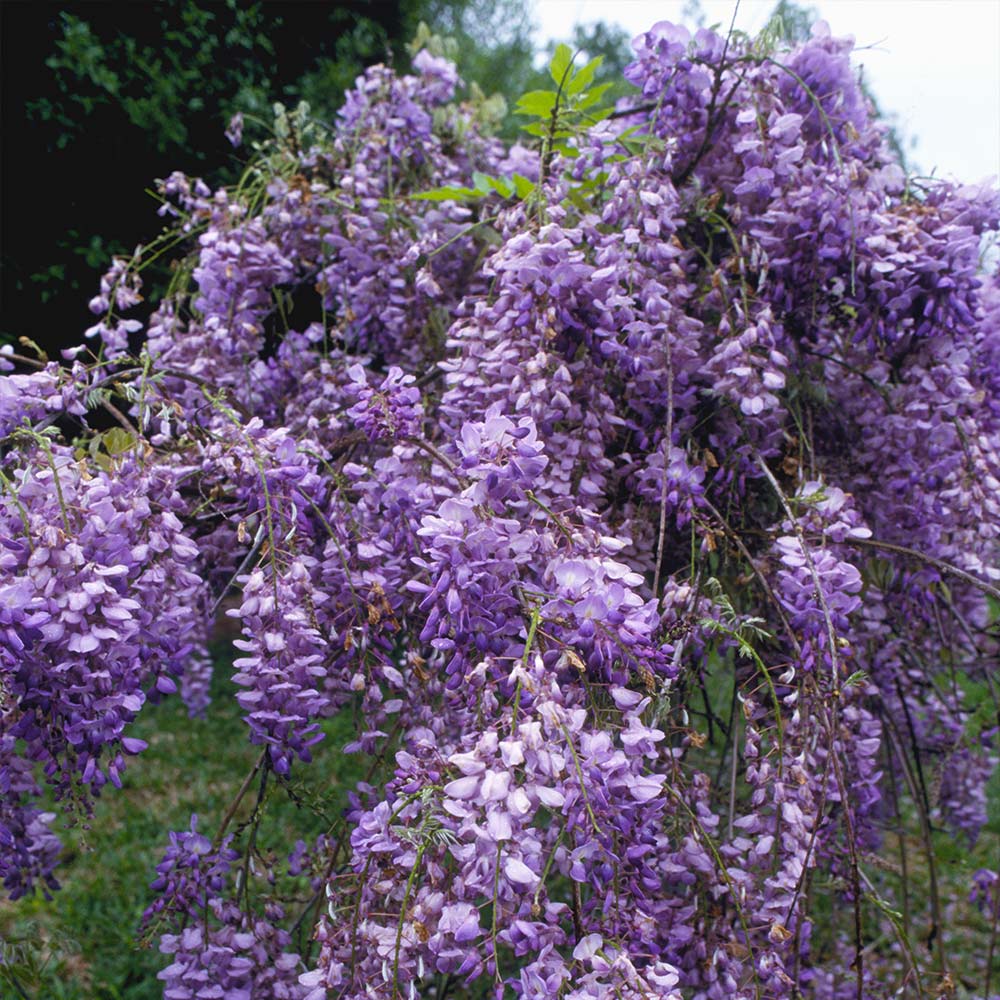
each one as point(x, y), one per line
point(934, 63)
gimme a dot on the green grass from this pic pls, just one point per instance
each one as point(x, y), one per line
point(83, 944)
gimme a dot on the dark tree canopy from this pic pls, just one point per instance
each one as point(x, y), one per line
point(100, 99)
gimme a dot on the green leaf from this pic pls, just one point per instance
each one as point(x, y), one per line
point(117, 441)
point(559, 68)
point(947, 850)
point(489, 236)
point(449, 193)
point(523, 186)
point(583, 78)
point(591, 98)
point(993, 608)
point(503, 186)
point(487, 185)
point(578, 199)
point(539, 103)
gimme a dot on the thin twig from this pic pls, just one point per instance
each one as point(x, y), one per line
point(244, 566)
point(247, 781)
point(120, 417)
point(667, 448)
point(435, 453)
point(941, 564)
point(24, 360)
point(710, 121)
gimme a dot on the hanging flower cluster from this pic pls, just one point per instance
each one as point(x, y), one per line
point(637, 496)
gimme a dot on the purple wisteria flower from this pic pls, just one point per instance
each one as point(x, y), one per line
point(390, 411)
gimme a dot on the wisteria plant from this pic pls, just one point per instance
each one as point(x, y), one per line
point(634, 489)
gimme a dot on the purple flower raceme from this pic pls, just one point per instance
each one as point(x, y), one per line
point(392, 410)
point(237, 958)
point(97, 631)
point(284, 670)
point(192, 871)
point(26, 399)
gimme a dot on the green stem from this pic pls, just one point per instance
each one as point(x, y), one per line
point(47, 448)
point(410, 882)
point(496, 908)
point(532, 629)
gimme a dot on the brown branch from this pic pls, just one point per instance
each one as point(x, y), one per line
point(231, 811)
point(940, 564)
